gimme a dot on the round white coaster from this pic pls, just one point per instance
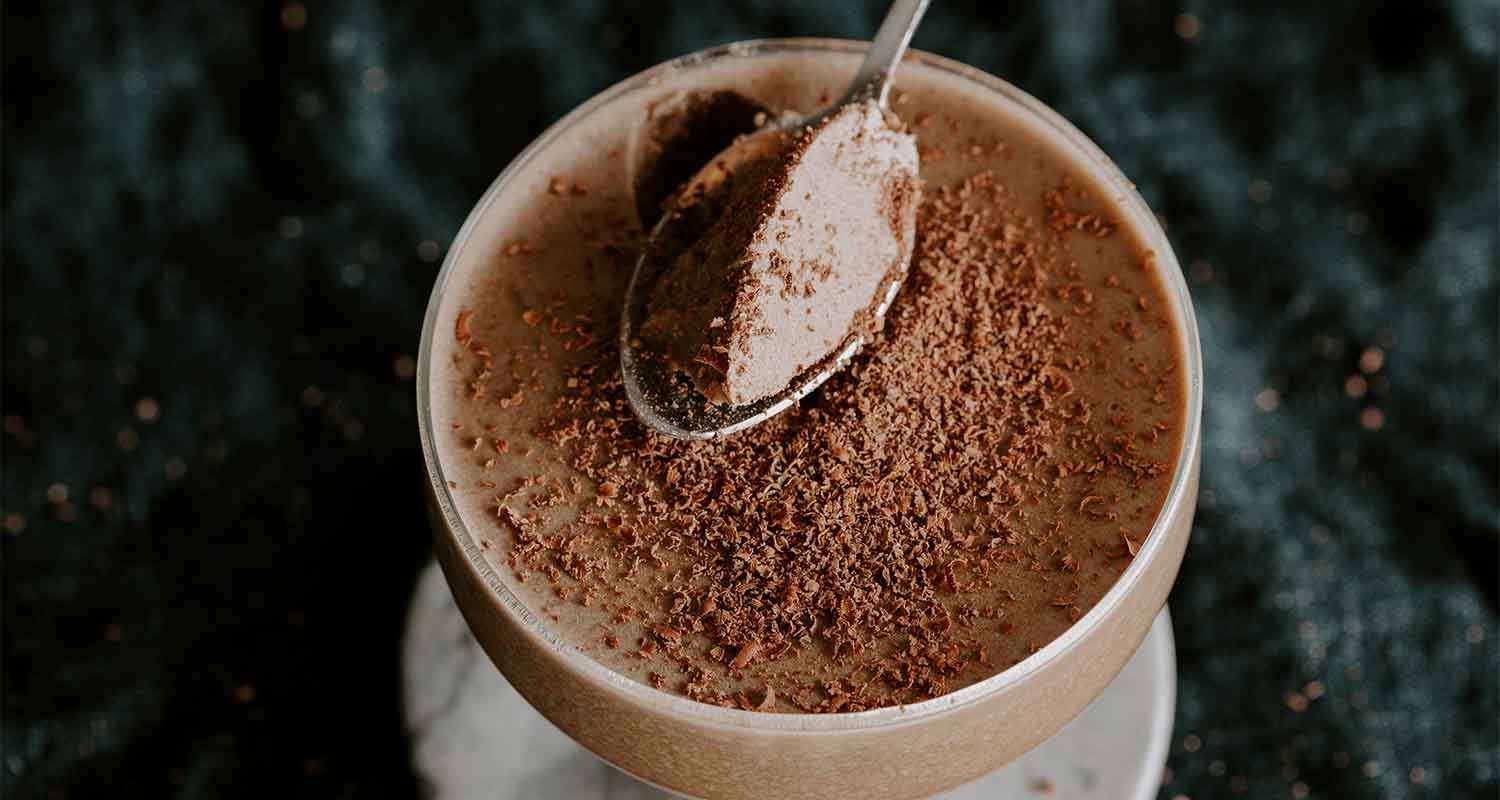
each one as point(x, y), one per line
point(473, 736)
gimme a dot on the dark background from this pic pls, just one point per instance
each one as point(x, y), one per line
point(221, 224)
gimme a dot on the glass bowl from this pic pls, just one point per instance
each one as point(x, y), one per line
point(916, 750)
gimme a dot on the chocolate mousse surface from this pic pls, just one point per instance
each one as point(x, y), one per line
point(966, 489)
point(781, 249)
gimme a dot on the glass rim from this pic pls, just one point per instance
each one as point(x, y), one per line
point(700, 712)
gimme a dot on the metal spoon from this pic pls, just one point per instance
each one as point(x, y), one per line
point(666, 399)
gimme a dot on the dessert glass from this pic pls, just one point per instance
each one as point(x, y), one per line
point(702, 750)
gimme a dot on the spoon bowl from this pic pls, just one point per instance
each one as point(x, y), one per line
point(665, 398)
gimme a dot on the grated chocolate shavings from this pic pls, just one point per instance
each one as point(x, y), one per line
point(934, 513)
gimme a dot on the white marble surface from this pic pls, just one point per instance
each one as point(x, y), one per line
point(473, 736)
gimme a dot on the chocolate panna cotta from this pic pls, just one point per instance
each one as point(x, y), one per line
point(969, 486)
point(781, 249)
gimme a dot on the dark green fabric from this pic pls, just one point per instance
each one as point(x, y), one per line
point(222, 217)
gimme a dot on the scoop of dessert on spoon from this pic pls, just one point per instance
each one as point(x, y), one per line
point(774, 264)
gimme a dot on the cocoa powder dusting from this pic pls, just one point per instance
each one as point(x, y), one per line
point(876, 544)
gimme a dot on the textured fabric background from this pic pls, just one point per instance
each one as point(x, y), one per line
point(221, 224)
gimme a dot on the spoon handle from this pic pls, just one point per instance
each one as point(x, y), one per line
point(873, 80)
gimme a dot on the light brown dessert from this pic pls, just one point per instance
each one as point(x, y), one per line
point(965, 491)
point(968, 488)
point(781, 249)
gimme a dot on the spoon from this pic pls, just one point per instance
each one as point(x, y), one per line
point(664, 398)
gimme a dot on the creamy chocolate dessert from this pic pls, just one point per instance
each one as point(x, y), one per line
point(781, 249)
point(968, 488)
